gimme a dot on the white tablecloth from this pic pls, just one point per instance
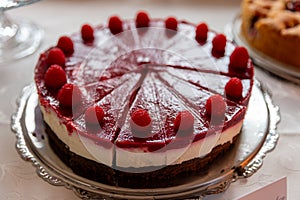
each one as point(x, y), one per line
point(17, 177)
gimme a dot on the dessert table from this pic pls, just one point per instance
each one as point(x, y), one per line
point(18, 179)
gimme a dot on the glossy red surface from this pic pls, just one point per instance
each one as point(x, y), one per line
point(151, 70)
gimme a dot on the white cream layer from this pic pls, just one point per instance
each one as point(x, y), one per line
point(136, 157)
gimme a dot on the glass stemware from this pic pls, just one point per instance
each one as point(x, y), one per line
point(18, 38)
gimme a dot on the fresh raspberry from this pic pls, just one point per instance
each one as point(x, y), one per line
point(115, 25)
point(87, 33)
point(239, 58)
point(201, 32)
point(65, 43)
point(171, 23)
point(55, 77)
point(215, 106)
point(184, 121)
point(140, 123)
point(141, 117)
point(69, 95)
point(219, 43)
point(142, 19)
point(56, 56)
point(234, 88)
point(94, 115)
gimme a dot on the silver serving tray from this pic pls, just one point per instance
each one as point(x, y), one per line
point(288, 72)
point(258, 137)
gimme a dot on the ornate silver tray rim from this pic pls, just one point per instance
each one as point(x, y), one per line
point(89, 191)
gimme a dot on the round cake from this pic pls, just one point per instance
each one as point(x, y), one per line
point(143, 103)
point(273, 27)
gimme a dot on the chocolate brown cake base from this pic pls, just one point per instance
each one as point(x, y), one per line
point(81, 166)
point(163, 177)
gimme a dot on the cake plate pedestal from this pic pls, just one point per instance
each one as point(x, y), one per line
point(258, 137)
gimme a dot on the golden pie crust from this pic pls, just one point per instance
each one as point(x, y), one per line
point(270, 27)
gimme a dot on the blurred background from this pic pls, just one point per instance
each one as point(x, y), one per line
point(63, 17)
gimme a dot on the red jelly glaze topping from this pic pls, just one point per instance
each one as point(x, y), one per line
point(201, 32)
point(141, 117)
point(87, 33)
point(234, 88)
point(56, 56)
point(94, 115)
point(215, 106)
point(219, 43)
point(142, 19)
point(239, 58)
point(171, 23)
point(115, 25)
point(65, 43)
point(69, 95)
point(184, 121)
point(55, 77)
point(178, 66)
